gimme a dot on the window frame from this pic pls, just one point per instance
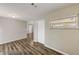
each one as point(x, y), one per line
point(61, 21)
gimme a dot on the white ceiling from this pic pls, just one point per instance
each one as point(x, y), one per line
point(25, 11)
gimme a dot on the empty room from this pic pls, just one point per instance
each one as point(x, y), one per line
point(39, 29)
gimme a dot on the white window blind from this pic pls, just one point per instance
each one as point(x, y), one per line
point(69, 22)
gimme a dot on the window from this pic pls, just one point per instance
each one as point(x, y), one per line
point(69, 22)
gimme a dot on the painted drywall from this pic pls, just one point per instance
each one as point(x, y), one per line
point(41, 31)
point(66, 40)
point(35, 31)
point(12, 29)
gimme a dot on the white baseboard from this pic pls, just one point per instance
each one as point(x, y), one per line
point(56, 50)
point(12, 40)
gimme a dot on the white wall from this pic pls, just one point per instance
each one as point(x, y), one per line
point(35, 31)
point(66, 40)
point(12, 29)
point(41, 31)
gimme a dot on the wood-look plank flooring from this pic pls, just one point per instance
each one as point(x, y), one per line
point(24, 47)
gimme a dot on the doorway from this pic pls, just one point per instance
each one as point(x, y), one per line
point(30, 32)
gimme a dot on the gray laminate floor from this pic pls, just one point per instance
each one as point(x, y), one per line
point(24, 47)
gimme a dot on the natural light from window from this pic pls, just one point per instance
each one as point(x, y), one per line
point(70, 22)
